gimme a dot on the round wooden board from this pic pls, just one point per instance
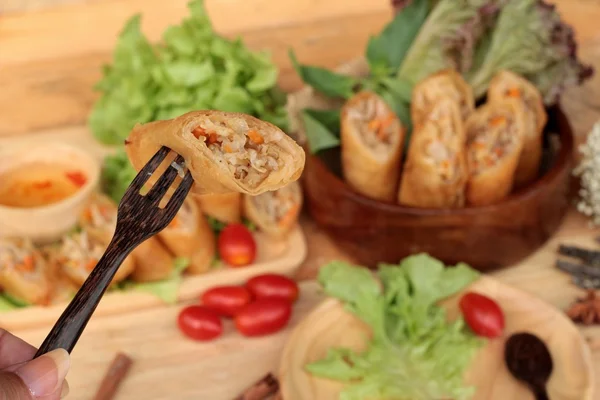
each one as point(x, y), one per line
point(330, 325)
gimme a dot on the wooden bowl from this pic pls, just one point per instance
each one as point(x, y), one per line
point(329, 325)
point(486, 238)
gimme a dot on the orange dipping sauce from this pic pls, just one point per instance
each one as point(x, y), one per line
point(39, 184)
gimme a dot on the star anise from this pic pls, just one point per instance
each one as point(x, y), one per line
point(586, 310)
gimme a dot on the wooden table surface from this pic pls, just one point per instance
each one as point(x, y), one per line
point(50, 57)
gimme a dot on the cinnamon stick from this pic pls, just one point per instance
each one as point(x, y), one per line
point(261, 390)
point(114, 376)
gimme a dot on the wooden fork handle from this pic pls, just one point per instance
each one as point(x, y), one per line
point(72, 322)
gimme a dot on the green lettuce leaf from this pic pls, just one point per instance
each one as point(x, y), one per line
point(117, 175)
point(10, 303)
point(193, 68)
point(415, 353)
point(166, 289)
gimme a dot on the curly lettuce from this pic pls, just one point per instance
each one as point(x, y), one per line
point(193, 68)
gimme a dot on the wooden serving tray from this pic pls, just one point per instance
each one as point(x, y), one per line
point(272, 257)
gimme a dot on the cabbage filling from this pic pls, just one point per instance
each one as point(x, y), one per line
point(245, 151)
point(374, 122)
point(20, 255)
point(80, 253)
point(491, 139)
point(280, 207)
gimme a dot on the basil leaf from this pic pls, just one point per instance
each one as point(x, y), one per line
point(402, 88)
point(386, 51)
point(321, 129)
point(327, 82)
point(401, 109)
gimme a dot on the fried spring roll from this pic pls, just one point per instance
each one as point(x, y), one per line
point(494, 143)
point(225, 152)
point(507, 84)
point(435, 173)
point(226, 207)
point(99, 215)
point(275, 213)
point(372, 139)
point(80, 252)
point(23, 272)
point(446, 84)
point(153, 262)
point(190, 236)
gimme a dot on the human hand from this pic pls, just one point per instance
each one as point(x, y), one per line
point(22, 378)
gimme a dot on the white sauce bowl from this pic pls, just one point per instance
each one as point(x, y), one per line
point(47, 223)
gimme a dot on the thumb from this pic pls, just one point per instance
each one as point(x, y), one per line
point(41, 377)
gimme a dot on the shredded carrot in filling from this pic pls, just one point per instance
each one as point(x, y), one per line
point(27, 265)
point(91, 264)
point(289, 215)
point(255, 137)
point(174, 223)
point(513, 92)
point(497, 120)
point(210, 137)
point(227, 148)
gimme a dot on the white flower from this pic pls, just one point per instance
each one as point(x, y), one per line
point(588, 171)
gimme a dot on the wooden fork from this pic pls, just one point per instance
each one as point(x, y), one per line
point(139, 217)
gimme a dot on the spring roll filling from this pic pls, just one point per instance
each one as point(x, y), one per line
point(100, 216)
point(184, 220)
point(79, 252)
point(250, 155)
point(375, 124)
point(280, 207)
point(20, 257)
point(447, 89)
point(529, 102)
point(490, 140)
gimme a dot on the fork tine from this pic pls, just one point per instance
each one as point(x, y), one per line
point(179, 196)
point(164, 182)
point(146, 172)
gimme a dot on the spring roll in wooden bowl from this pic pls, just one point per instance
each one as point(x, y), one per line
point(510, 85)
point(225, 152)
point(372, 139)
point(435, 173)
point(484, 236)
point(275, 213)
point(495, 134)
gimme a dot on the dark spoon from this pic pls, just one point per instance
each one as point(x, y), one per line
point(529, 360)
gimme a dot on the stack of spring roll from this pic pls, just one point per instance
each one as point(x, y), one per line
point(53, 274)
point(458, 155)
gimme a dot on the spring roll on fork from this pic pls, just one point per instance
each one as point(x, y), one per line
point(435, 173)
point(372, 139)
point(507, 84)
point(225, 152)
point(494, 144)
point(23, 272)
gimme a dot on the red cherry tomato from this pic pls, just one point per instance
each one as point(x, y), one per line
point(263, 317)
point(273, 286)
point(236, 245)
point(226, 300)
point(200, 323)
point(483, 315)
